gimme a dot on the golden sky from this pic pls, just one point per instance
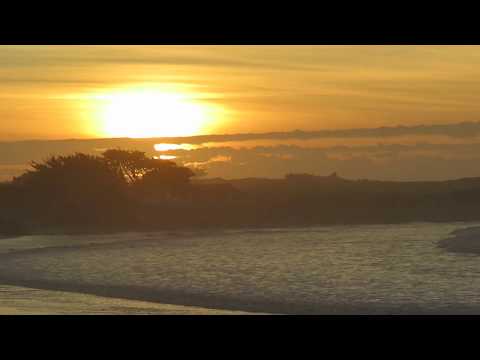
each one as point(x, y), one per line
point(52, 92)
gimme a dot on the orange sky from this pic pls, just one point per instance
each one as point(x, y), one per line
point(51, 92)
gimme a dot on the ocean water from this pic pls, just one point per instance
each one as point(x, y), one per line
point(370, 269)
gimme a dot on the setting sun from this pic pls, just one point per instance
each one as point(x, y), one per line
point(239, 179)
point(150, 113)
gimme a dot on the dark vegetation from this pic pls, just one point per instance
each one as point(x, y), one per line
point(125, 190)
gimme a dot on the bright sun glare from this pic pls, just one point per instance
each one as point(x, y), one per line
point(150, 113)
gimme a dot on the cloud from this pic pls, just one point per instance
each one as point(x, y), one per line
point(264, 88)
point(382, 156)
point(202, 164)
point(412, 162)
point(457, 130)
point(54, 56)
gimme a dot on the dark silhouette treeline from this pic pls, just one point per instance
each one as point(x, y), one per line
point(126, 190)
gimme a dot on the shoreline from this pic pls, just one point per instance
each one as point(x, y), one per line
point(210, 229)
point(214, 303)
point(12, 249)
point(174, 298)
point(211, 305)
point(464, 241)
point(32, 301)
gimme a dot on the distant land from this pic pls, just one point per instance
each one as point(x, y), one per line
point(397, 153)
point(84, 193)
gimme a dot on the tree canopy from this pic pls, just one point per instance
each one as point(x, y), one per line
point(88, 189)
point(134, 166)
point(69, 171)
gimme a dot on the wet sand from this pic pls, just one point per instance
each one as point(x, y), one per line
point(15, 300)
point(28, 299)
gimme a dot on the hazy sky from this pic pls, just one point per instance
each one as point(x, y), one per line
point(424, 94)
point(53, 92)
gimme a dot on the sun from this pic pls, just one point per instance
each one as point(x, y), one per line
point(151, 113)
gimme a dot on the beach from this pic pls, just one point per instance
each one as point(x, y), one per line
point(354, 269)
point(20, 300)
point(15, 300)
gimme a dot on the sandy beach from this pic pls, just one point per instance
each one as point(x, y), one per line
point(15, 300)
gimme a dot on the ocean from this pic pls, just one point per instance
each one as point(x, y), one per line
point(358, 269)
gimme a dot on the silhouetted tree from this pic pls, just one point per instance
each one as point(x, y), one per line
point(131, 164)
point(149, 175)
point(127, 190)
point(69, 171)
point(166, 179)
point(71, 188)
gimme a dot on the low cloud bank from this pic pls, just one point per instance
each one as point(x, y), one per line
point(391, 160)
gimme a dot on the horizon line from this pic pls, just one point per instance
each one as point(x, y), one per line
point(388, 131)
